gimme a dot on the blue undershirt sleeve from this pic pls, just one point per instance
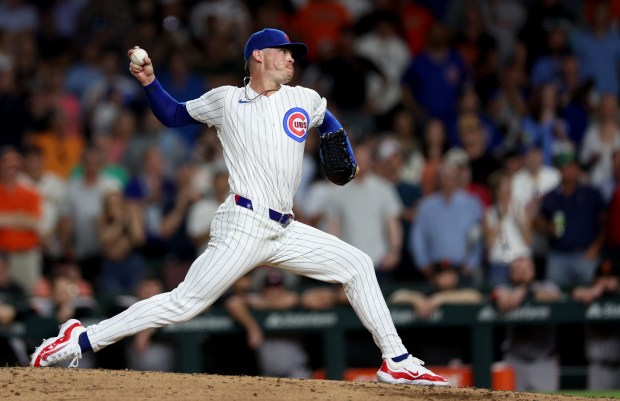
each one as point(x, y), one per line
point(167, 110)
point(331, 124)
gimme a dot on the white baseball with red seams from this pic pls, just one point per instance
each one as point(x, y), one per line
point(138, 56)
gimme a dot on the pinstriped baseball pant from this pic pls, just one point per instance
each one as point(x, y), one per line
point(242, 239)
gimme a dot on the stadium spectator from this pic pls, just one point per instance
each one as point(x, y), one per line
point(446, 288)
point(85, 70)
point(182, 83)
point(202, 211)
point(447, 228)
point(53, 190)
point(208, 154)
point(178, 247)
point(77, 225)
point(601, 140)
point(542, 16)
point(610, 185)
point(389, 165)
point(529, 350)
point(503, 19)
point(67, 104)
point(405, 130)
point(529, 185)
point(572, 217)
point(508, 105)
point(469, 103)
point(64, 300)
point(318, 24)
point(372, 225)
point(481, 192)
point(416, 21)
point(434, 78)
point(14, 107)
point(66, 268)
point(219, 27)
point(384, 47)
point(548, 67)
point(13, 308)
point(472, 137)
point(105, 98)
point(598, 51)
point(478, 49)
point(434, 146)
point(120, 228)
point(544, 125)
point(152, 190)
point(152, 133)
point(507, 229)
point(576, 98)
point(21, 209)
point(61, 152)
point(345, 77)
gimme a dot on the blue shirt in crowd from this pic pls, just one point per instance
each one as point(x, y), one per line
point(598, 59)
point(435, 85)
point(580, 211)
point(447, 230)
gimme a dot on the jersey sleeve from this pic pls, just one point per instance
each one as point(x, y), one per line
point(208, 108)
point(319, 105)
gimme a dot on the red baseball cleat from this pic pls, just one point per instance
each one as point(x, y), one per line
point(409, 371)
point(60, 348)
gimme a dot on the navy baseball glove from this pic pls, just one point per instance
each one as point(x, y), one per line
point(337, 157)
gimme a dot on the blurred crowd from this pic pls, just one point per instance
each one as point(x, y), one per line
point(487, 133)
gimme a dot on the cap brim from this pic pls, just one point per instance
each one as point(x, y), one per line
point(299, 50)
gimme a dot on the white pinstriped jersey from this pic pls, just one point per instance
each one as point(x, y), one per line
point(263, 139)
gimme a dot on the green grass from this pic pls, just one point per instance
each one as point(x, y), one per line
point(587, 393)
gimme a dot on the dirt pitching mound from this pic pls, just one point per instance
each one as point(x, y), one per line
point(98, 384)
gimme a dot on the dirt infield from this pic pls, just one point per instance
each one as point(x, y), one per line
point(97, 384)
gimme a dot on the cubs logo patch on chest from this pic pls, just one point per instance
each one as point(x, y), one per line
point(296, 123)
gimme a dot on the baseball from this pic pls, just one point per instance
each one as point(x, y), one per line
point(138, 56)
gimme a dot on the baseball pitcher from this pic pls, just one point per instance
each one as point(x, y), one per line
point(262, 126)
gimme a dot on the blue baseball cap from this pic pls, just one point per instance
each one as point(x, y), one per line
point(270, 38)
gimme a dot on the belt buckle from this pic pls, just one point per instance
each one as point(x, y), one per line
point(285, 220)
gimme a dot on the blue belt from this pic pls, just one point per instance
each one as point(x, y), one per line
point(283, 219)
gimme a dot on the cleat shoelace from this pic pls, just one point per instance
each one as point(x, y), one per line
point(418, 361)
point(74, 361)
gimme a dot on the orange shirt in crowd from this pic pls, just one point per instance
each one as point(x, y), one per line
point(19, 199)
point(320, 22)
point(60, 154)
point(417, 21)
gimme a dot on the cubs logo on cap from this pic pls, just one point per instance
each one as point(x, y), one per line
point(296, 123)
point(270, 38)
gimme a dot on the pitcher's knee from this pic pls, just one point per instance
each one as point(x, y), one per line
point(185, 307)
point(362, 268)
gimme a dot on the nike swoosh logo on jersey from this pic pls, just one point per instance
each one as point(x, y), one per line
point(244, 101)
